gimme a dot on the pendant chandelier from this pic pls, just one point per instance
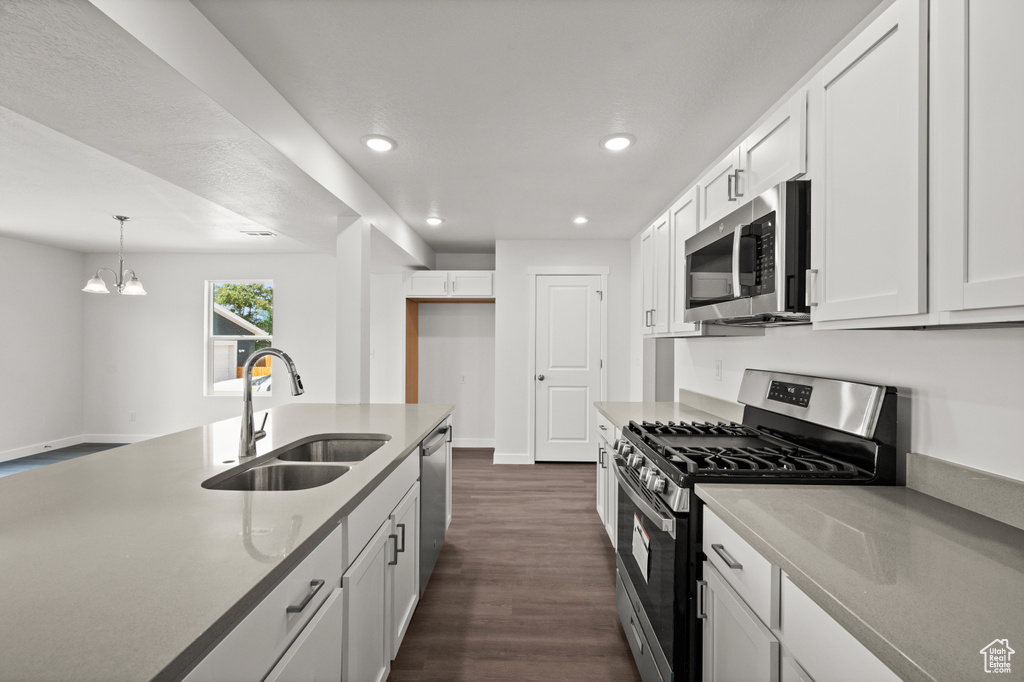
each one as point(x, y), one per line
point(128, 287)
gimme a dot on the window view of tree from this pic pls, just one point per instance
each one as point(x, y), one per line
point(242, 323)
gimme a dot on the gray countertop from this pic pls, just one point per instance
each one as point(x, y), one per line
point(620, 414)
point(120, 566)
point(922, 583)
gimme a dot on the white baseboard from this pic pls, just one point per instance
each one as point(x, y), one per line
point(508, 458)
point(472, 442)
point(38, 448)
point(114, 438)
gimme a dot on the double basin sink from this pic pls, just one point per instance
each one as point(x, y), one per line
point(308, 463)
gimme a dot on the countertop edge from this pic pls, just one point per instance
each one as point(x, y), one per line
point(191, 656)
point(886, 651)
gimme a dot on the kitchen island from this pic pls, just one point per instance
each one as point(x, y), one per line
point(121, 566)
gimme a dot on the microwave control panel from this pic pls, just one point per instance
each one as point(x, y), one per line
point(764, 271)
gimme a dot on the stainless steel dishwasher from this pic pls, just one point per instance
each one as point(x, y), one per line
point(433, 498)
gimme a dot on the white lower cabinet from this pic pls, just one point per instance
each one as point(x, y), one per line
point(757, 625)
point(607, 487)
point(316, 655)
point(737, 645)
point(367, 650)
point(405, 565)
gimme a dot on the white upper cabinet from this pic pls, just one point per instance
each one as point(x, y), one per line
point(869, 239)
point(682, 225)
point(976, 146)
point(718, 193)
point(450, 284)
point(654, 250)
point(775, 152)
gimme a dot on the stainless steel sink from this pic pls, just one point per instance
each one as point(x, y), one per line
point(278, 477)
point(353, 447)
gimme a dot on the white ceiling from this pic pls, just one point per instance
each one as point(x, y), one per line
point(497, 106)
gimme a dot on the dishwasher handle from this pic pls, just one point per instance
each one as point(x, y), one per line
point(440, 438)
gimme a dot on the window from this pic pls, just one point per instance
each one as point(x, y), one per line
point(239, 321)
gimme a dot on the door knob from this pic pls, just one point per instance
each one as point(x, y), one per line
point(540, 377)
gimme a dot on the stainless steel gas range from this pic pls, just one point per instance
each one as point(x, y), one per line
point(795, 430)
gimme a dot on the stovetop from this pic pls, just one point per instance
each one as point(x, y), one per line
point(727, 450)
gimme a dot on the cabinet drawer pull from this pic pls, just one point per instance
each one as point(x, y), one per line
point(636, 635)
point(736, 188)
point(726, 557)
point(394, 537)
point(402, 526)
point(702, 594)
point(314, 587)
point(728, 187)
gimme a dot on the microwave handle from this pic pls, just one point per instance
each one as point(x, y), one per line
point(736, 237)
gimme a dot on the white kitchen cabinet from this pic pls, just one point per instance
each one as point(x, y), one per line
point(718, 195)
point(450, 284)
point(404, 565)
point(449, 464)
point(777, 149)
point(316, 654)
point(606, 485)
point(820, 645)
point(976, 144)
point(654, 249)
point(869, 106)
point(683, 217)
point(775, 152)
point(367, 619)
point(737, 645)
point(256, 643)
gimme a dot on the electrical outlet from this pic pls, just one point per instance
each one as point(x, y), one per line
point(131, 416)
point(718, 370)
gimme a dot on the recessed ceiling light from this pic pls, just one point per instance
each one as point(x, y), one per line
point(379, 143)
point(258, 233)
point(434, 221)
point(581, 220)
point(617, 142)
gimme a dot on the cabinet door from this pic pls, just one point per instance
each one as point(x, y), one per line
point(449, 463)
point(869, 239)
point(737, 645)
point(682, 225)
point(976, 145)
point(611, 501)
point(777, 150)
point(662, 254)
point(471, 283)
point(366, 653)
point(427, 284)
point(602, 483)
point(647, 266)
point(316, 655)
point(718, 194)
point(791, 670)
point(405, 571)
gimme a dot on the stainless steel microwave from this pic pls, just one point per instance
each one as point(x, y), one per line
point(750, 267)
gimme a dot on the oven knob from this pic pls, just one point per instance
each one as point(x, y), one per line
point(635, 460)
point(656, 484)
point(646, 474)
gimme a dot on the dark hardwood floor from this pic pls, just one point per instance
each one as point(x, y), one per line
point(524, 588)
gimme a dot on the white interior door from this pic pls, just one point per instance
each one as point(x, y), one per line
point(567, 380)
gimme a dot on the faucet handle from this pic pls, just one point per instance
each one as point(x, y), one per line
point(261, 433)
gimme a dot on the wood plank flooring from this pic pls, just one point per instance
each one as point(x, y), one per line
point(524, 588)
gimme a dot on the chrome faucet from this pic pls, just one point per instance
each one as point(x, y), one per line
point(247, 444)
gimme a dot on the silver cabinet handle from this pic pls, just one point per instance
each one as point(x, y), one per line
point(728, 179)
point(636, 635)
point(600, 456)
point(314, 587)
point(602, 427)
point(444, 286)
point(540, 377)
point(395, 538)
point(736, 189)
point(702, 592)
point(726, 557)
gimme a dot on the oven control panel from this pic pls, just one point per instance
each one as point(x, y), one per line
point(792, 394)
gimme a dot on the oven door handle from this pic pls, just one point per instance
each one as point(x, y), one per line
point(661, 523)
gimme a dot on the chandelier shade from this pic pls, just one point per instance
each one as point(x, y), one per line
point(124, 285)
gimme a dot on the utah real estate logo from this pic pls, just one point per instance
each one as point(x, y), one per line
point(997, 655)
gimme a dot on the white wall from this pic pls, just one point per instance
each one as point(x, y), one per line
point(513, 375)
point(387, 338)
point(145, 354)
point(966, 386)
point(464, 261)
point(41, 374)
point(456, 343)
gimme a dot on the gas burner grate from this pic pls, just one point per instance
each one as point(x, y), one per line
point(767, 461)
point(695, 429)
